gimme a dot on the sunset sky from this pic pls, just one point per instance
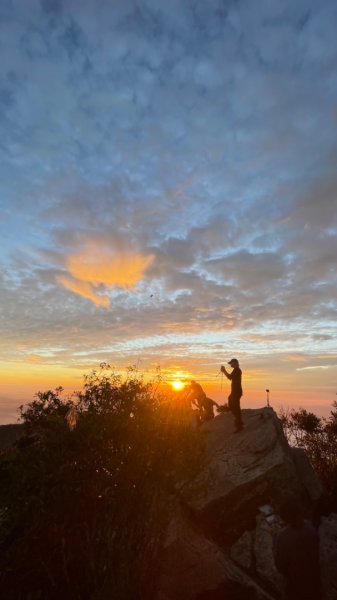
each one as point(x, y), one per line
point(168, 189)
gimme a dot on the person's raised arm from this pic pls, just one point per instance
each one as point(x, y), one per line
point(223, 370)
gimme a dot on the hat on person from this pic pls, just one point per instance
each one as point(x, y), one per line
point(233, 362)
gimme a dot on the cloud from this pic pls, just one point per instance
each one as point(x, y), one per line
point(313, 368)
point(97, 265)
point(249, 270)
point(32, 358)
point(83, 289)
point(194, 147)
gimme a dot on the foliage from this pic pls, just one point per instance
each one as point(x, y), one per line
point(46, 406)
point(318, 437)
point(78, 504)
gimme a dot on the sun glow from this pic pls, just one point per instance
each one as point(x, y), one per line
point(178, 385)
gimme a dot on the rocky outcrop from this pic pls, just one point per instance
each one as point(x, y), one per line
point(303, 468)
point(222, 523)
point(195, 567)
point(243, 471)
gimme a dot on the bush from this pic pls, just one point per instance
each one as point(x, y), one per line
point(318, 437)
point(80, 505)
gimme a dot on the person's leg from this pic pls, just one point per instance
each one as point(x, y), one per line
point(209, 413)
point(236, 410)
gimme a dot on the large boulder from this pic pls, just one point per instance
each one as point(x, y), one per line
point(193, 567)
point(264, 538)
point(304, 470)
point(222, 522)
point(242, 471)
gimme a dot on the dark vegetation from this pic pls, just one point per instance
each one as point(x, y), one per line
point(84, 488)
point(77, 502)
point(9, 434)
point(318, 437)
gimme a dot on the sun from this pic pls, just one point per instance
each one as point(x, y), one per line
point(177, 385)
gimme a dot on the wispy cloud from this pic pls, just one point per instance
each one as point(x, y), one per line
point(83, 289)
point(313, 368)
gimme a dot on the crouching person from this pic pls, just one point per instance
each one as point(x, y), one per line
point(201, 402)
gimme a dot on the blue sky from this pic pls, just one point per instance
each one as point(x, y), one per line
point(168, 187)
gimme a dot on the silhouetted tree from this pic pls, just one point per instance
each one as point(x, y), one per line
point(318, 437)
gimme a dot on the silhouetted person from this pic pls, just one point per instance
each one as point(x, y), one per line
point(297, 554)
point(236, 392)
point(198, 398)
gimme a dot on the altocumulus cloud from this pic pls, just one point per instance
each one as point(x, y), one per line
point(174, 163)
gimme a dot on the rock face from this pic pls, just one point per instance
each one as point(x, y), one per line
point(222, 523)
point(195, 567)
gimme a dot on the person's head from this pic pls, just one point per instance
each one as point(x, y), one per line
point(290, 509)
point(233, 363)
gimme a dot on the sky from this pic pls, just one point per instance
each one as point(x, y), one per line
point(168, 194)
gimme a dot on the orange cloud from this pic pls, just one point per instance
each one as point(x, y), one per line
point(99, 265)
point(84, 289)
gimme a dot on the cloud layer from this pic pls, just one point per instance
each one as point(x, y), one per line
point(168, 180)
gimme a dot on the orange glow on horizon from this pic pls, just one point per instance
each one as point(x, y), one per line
point(21, 379)
point(35, 372)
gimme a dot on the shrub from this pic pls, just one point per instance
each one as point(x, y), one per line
point(318, 437)
point(80, 506)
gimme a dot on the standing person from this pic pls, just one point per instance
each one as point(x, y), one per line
point(236, 392)
point(198, 398)
point(296, 554)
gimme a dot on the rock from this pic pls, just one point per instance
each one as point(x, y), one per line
point(328, 555)
point(242, 551)
point(306, 474)
point(263, 554)
point(190, 563)
point(193, 567)
point(242, 472)
point(221, 523)
point(253, 552)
